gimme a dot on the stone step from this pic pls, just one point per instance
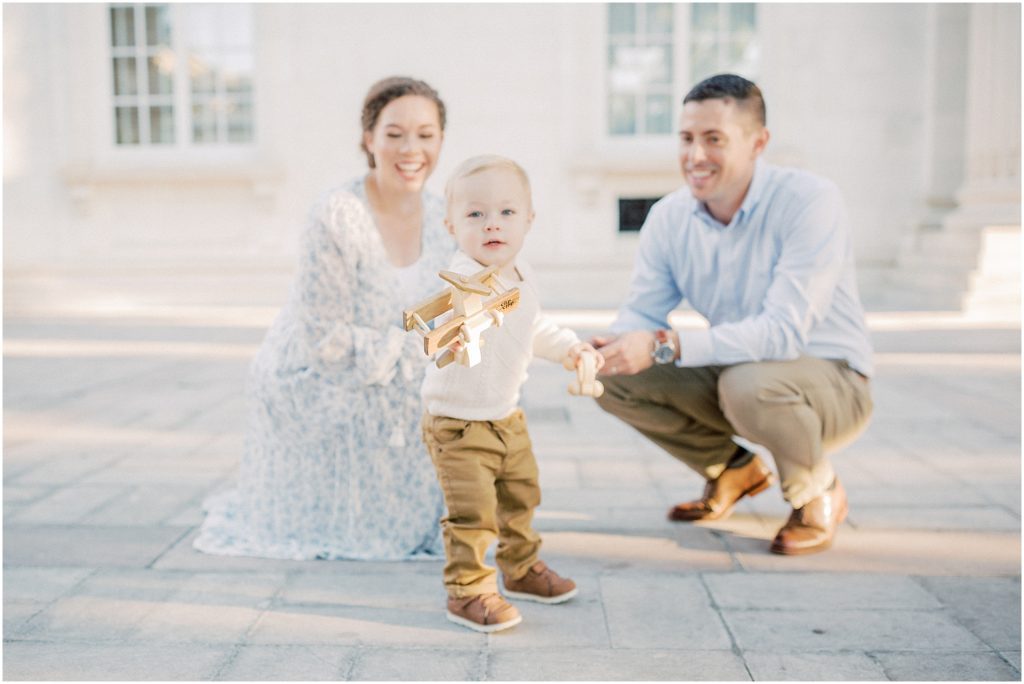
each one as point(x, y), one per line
point(962, 270)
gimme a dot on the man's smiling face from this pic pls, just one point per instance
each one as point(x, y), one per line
point(719, 143)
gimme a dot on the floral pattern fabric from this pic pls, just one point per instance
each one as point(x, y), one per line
point(333, 465)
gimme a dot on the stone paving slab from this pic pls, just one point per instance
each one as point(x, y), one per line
point(392, 664)
point(106, 606)
point(616, 665)
point(648, 552)
point(679, 616)
point(67, 661)
point(58, 469)
point(68, 505)
point(293, 662)
point(79, 545)
point(810, 591)
point(579, 623)
point(211, 608)
point(146, 505)
point(990, 606)
point(947, 666)
point(814, 667)
point(783, 631)
point(17, 613)
point(975, 553)
point(351, 626)
point(938, 518)
point(420, 591)
point(43, 584)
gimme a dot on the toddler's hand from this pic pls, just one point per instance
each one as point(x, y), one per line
point(581, 348)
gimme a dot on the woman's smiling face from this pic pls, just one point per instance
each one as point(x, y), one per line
point(405, 143)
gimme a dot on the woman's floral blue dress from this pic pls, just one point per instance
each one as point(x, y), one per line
point(333, 464)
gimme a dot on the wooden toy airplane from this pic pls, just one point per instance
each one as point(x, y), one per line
point(472, 315)
point(586, 383)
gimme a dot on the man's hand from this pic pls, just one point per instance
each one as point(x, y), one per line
point(626, 354)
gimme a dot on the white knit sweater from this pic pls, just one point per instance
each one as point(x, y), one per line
point(490, 390)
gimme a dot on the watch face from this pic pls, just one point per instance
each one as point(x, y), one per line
point(664, 353)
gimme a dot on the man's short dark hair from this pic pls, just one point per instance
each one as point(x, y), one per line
point(730, 87)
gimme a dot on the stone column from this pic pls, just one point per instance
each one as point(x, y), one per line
point(988, 208)
point(990, 194)
point(947, 34)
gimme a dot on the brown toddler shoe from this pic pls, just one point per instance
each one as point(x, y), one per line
point(484, 613)
point(541, 584)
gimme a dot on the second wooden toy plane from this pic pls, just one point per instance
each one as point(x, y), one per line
point(471, 315)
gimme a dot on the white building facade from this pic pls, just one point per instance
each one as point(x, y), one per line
point(168, 153)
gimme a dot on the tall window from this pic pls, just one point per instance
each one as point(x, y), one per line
point(723, 38)
point(640, 68)
point(656, 51)
point(182, 74)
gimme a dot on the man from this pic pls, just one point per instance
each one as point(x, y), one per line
point(763, 252)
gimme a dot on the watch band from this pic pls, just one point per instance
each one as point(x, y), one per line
point(664, 347)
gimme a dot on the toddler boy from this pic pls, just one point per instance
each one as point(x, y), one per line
point(473, 427)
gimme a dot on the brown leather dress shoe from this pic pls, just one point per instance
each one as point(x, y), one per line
point(722, 493)
point(811, 529)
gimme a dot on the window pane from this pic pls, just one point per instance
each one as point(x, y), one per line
point(240, 122)
point(221, 69)
point(203, 69)
point(204, 123)
point(238, 70)
point(623, 75)
point(621, 18)
point(202, 26)
point(659, 18)
point(622, 115)
point(631, 68)
point(124, 76)
point(742, 17)
point(126, 122)
point(633, 212)
point(703, 60)
point(704, 17)
point(161, 73)
point(122, 26)
point(161, 125)
point(661, 67)
point(659, 114)
point(158, 25)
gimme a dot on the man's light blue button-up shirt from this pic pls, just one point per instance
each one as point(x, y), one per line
point(776, 283)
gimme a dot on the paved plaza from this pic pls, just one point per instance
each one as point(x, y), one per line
point(117, 427)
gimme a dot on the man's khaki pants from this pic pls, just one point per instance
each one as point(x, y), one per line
point(489, 478)
point(799, 410)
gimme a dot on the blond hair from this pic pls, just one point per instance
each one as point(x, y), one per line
point(484, 162)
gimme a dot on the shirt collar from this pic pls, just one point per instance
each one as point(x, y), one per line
point(754, 193)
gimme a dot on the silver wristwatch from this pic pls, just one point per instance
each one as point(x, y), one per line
point(664, 347)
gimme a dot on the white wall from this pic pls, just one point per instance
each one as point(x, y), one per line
point(846, 87)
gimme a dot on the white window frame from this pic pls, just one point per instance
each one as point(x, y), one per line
point(640, 107)
point(723, 38)
point(181, 98)
point(682, 76)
